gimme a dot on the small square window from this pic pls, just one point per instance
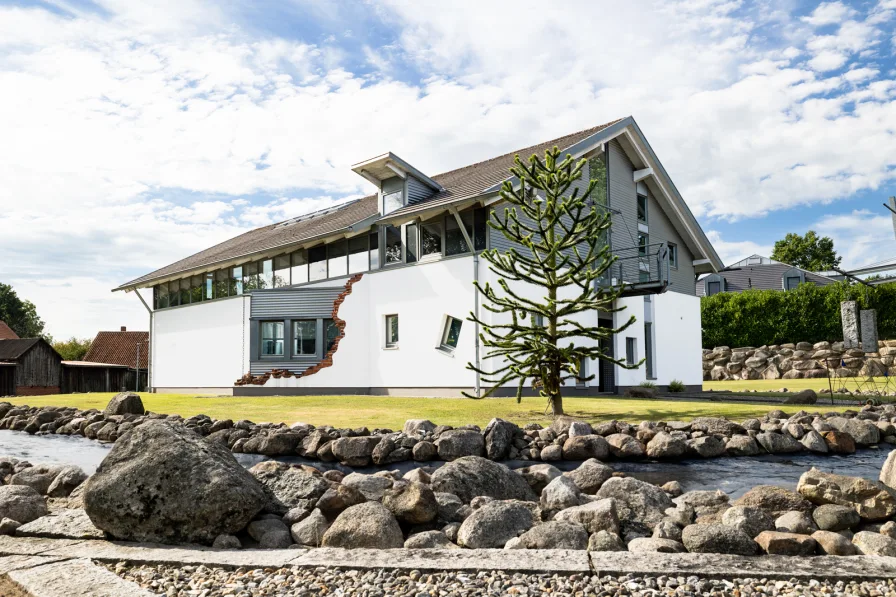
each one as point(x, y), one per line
point(642, 208)
point(305, 337)
point(631, 351)
point(713, 288)
point(450, 334)
point(791, 282)
point(391, 331)
point(272, 338)
point(673, 255)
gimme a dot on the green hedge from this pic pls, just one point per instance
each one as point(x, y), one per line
point(809, 313)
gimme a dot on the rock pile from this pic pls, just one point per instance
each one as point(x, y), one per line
point(798, 361)
point(565, 439)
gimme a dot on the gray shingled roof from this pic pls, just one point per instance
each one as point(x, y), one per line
point(10, 350)
point(468, 181)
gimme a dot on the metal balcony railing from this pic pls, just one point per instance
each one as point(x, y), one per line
point(639, 270)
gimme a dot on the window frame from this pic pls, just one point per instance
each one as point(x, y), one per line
point(327, 343)
point(787, 282)
point(262, 338)
point(673, 255)
point(294, 337)
point(390, 343)
point(638, 208)
point(421, 226)
point(444, 346)
point(631, 350)
point(312, 271)
point(709, 291)
point(642, 247)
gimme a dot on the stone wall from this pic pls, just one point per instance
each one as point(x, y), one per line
point(798, 361)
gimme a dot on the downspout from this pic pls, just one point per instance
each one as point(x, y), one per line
point(468, 240)
point(149, 384)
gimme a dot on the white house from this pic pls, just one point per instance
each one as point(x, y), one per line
point(372, 296)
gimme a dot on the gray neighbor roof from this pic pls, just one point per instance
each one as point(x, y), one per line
point(463, 183)
point(767, 276)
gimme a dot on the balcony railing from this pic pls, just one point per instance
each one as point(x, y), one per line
point(639, 270)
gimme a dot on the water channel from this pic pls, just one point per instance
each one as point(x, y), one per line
point(733, 475)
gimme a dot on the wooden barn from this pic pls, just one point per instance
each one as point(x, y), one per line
point(122, 349)
point(38, 367)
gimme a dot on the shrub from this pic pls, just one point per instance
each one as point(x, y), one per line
point(676, 385)
point(647, 384)
point(808, 313)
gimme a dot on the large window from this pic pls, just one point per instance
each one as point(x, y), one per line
point(266, 273)
point(480, 228)
point(236, 281)
point(160, 296)
point(222, 283)
point(208, 286)
point(196, 284)
point(450, 334)
point(642, 208)
point(281, 271)
point(358, 254)
point(430, 239)
point(317, 268)
point(631, 351)
point(331, 332)
point(411, 247)
point(299, 269)
point(337, 260)
point(454, 236)
point(392, 201)
point(393, 245)
point(597, 171)
point(374, 250)
point(174, 293)
point(272, 338)
point(305, 337)
point(250, 276)
point(185, 291)
point(391, 331)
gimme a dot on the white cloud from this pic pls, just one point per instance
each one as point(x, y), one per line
point(734, 251)
point(828, 13)
point(861, 237)
point(137, 137)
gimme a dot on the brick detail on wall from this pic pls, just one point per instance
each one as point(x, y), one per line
point(36, 390)
point(327, 361)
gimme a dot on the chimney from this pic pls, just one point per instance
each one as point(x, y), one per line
point(124, 329)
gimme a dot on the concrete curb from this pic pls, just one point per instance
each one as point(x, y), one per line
point(39, 576)
point(547, 561)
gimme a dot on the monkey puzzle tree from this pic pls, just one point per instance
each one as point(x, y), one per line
point(559, 247)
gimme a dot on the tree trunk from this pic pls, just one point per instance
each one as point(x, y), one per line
point(557, 404)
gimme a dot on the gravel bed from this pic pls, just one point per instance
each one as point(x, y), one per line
point(202, 581)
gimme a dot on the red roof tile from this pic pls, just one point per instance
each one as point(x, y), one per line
point(6, 332)
point(119, 348)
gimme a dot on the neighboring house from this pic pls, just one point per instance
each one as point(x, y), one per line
point(115, 361)
point(757, 272)
point(29, 367)
point(372, 296)
point(6, 332)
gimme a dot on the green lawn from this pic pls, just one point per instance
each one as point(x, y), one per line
point(377, 411)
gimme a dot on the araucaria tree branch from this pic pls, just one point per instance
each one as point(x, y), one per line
point(558, 248)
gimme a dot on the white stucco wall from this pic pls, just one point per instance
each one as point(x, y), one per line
point(201, 346)
point(678, 342)
point(634, 305)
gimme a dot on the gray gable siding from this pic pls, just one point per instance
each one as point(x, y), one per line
point(417, 191)
point(761, 277)
point(623, 198)
point(660, 229)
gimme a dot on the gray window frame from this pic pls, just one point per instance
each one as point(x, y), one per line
point(262, 338)
point(294, 338)
point(446, 330)
point(673, 255)
point(631, 350)
point(390, 343)
point(638, 208)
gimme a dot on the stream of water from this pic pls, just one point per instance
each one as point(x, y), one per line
point(732, 475)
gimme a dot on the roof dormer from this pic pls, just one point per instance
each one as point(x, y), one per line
point(399, 183)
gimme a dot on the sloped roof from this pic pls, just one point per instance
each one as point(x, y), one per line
point(10, 350)
point(6, 332)
point(119, 348)
point(766, 276)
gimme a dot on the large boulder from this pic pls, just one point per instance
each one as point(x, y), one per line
point(473, 476)
point(555, 534)
point(583, 447)
point(873, 501)
point(623, 445)
point(499, 438)
point(411, 502)
point(831, 517)
point(804, 397)
point(708, 446)
point(786, 544)
point(21, 503)
point(373, 487)
point(51, 480)
point(717, 426)
point(874, 544)
point(367, 525)
point(590, 475)
point(717, 538)
point(355, 451)
point(888, 471)
point(778, 443)
point(309, 531)
point(457, 443)
point(865, 433)
point(833, 544)
point(594, 516)
point(666, 446)
point(496, 523)
point(288, 486)
point(636, 501)
point(561, 493)
point(741, 445)
point(163, 483)
point(539, 475)
point(125, 403)
point(751, 521)
point(774, 500)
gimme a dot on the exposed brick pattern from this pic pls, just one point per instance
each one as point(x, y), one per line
point(327, 361)
point(36, 390)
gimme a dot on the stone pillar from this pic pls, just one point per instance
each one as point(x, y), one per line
point(849, 315)
point(869, 330)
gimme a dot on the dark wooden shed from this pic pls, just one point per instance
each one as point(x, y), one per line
point(38, 367)
point(81, 376)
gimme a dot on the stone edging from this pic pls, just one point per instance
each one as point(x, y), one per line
point(25, 552)
point(47, 576)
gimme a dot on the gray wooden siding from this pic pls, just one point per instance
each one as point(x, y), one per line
point(40, 367)
point(296, 303)
point(417, 191)
point(767, 276)
point(660, 229)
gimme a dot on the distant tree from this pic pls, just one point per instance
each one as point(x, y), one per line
point(562, 235)
point(873, 277)
point(810, 252)
point(20, 315)
point(73, 349)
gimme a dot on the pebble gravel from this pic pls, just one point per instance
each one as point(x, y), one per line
point(202, 581)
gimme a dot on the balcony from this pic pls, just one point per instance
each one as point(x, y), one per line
point(639, 270)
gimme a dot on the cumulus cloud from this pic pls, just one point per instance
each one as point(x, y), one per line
point(135, 136)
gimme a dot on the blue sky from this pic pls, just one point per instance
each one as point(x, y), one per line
point(138, 133)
